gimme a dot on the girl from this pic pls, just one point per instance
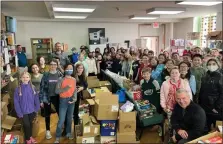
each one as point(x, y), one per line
point(26, 102)
point(211, 93)
point(146, 52)
point(48, 95)
point(145, 64)
point(135, 67)
point(166, 53)
point(97, 52)
point(66, 88)
point(92, 69)
point(99, 63)
point(162, 59)
point(166, 72)
point(186, 74)
point(126, 65)
point(157, 69)
point(169, 88)
point(82, 61)
point(106, 51)
point(42, 66)
point(82, 84)
point(84, 53)
point(36, 77)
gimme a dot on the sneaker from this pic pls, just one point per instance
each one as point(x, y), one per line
point(69, 136)
point(57, 141)
point(33, 140)
point(48, 135)
point(64, 133)
point(28, 142)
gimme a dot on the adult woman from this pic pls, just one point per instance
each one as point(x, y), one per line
point(42, 66)
point(47, 93)
point(82, 84)
point(156, 70)
point(185, 73)
point(211, 93)
point(169, 88)
point(166, 72)
point(126, 65)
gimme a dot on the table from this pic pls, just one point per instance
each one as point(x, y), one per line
point(157, 119)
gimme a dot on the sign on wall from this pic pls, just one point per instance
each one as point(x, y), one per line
point(155, 25)
point(96, 35)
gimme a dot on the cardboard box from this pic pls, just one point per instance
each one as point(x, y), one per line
point(86, 94)
point(108, 127)
point(17, 133)
point(108, 139)
point(206, 137)
point(90, 126)
point(84, 139)
point(3, 24)
point(93, 82)
point(6, 98)
point(4, 110)
point(127, 137)
point(106, 106)
point(106, 84)
point(127, 121)
point(8, 122)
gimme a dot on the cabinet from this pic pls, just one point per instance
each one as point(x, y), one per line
point(41, 47)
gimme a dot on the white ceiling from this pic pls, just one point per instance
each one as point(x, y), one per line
point(106, 11)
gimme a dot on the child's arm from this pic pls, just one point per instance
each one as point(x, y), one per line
point(58, 89)
point(17, 104)
point(193, 84)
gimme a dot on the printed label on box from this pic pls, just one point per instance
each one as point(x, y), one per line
point(114, 108)
point(88, 140)
point(112, 133)
point(87, 129)
point(96, 130)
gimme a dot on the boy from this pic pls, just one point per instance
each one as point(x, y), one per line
point(150, 88)
point(198, 71)
point(135, 67)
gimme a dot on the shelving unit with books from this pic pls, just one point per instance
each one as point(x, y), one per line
point(41, 47)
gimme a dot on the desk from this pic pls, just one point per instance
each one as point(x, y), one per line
point(157, 119)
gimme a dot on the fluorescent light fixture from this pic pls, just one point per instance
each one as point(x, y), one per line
point(71, 17)
point(133, 17)
point(165, 10)
point(143, 18)
point(84, 10)
point(210, 3)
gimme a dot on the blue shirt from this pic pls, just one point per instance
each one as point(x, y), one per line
point(75, 58)
point(22, 60)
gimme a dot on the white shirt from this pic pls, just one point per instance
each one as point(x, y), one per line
point(91, 65)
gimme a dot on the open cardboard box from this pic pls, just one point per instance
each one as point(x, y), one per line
point(90, 126)
point(106, 106)
point(8, 122)
point(206, 137)
point(106, 84)
point(93, 82)
point(127, 137)
point(4, 111)
point(6, 98)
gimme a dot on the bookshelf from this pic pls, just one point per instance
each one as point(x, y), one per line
point(41, 47)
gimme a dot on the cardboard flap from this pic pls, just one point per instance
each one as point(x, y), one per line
point(102, 95)
point(86, 119)
point(3, 105)
point(8, 122)
point(127, 116)
point(90, 101)
point(93, 120)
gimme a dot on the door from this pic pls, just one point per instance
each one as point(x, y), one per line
point(152, 44)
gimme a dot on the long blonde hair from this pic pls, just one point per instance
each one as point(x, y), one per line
point(30, 82)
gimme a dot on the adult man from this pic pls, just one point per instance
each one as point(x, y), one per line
point(188, 119)
point(22, 60)
point(59, 53)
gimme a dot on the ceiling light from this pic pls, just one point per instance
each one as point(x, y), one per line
point(60, 9)
point(165, 10)
point(71, 17)
point(142, 17)
point(199, 3)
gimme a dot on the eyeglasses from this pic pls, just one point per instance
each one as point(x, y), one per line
point(53, 64)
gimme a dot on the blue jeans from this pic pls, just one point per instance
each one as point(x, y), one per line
point(66, 110)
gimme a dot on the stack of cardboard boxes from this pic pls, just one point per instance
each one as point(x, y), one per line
point(100, 125)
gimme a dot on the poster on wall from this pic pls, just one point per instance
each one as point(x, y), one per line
point(96, 35)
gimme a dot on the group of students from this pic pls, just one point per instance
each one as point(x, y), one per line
point(62, 81)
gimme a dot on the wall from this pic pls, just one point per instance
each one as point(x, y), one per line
point(182, 28)
point(219, 21)
point(71, 33)
point(169, 34)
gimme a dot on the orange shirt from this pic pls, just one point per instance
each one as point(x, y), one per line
point(68, 82)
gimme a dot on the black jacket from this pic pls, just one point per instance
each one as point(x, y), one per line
point(211, 92)
point(193, 121)
point(164, 74)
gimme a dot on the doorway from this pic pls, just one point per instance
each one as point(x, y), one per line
point(152, 44)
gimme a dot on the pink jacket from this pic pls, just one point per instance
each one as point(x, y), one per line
point(165, 91)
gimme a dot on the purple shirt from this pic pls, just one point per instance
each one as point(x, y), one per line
point(28, 102)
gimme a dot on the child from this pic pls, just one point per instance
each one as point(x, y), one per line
point(26, 102)
point(66, 88)
point(135, 67)
point(198, 71)
point(150, 88)
point(82, 61)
